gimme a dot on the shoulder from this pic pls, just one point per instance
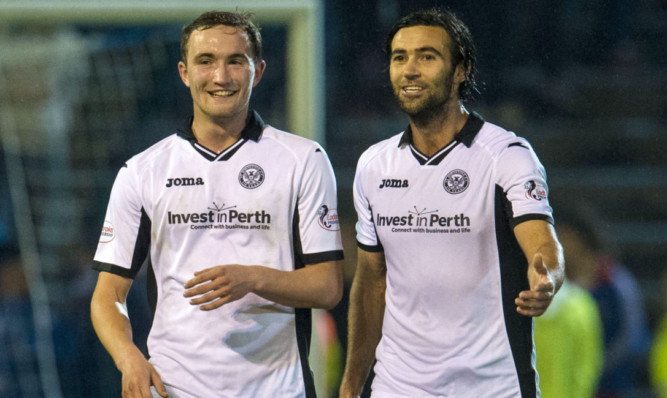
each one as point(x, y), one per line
point(506, 152)
point(383, 149)
point(154, 154)
point(496, 139)
point(291, 143)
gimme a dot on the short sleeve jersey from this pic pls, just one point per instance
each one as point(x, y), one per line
point(454, 266)
point(269, 199)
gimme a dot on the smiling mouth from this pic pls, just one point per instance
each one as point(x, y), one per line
point(412, 89)
point(222, 93)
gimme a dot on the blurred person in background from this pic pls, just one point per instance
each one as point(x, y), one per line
point(658, 354)
point(456, 247)
point(615, 290)
point(18, 360)
point(569, 345)
point(225, 189)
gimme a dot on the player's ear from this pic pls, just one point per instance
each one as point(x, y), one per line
point(461, 73)
point(259, 71)
point(183, 72)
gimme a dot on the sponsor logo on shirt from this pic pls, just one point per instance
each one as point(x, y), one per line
point(456, 181)
point(184, 182)
point(424, 221)
point(393, 183)
point(535, 190)
point(328, 218)
point(251, 176)
point(108, 232)
point(222, 217)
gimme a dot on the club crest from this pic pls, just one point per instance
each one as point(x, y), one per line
point(456, 181)
point(251, 176)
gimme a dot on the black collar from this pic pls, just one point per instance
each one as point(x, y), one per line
point(252, 131)
point(466, 135)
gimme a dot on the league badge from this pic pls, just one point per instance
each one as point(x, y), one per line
point(328, 218)
point(108, 232)
point(535, 190)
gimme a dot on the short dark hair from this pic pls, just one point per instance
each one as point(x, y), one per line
point(462, 48)
point(210, 19)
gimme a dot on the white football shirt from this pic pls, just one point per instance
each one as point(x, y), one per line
point(270, 199)
point(454, 267)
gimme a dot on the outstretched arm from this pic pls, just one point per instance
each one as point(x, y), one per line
point(112, 325)
point(367, 304)
point(546, 267)
point(314, 286)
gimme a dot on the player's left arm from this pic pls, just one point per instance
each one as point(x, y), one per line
point(317, 285)
point(314, 286)
point(546, 267)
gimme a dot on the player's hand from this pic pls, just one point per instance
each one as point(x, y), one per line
point(534, 302)
point(216, 286)
point(138, 376)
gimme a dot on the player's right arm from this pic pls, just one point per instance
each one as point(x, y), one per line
point(367, 303)
point(112, 325)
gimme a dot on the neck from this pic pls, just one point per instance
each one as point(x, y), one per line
point(432, 132)
point(218, 135)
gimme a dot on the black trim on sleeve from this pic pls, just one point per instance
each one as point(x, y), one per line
point(377, 248)
point(142, 247)
point(113, 269)
point(527, 217)
point(314, 258)
point(301, 258)
point(373, 249)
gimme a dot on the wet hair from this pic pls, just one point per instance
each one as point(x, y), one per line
point(462, 48)
point(210, 19)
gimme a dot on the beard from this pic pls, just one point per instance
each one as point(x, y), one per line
point(429, 105)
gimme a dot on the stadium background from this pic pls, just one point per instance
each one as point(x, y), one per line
point(584, 81)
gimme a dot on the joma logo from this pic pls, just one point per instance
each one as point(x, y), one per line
point(394, 183)
point(187, 181)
